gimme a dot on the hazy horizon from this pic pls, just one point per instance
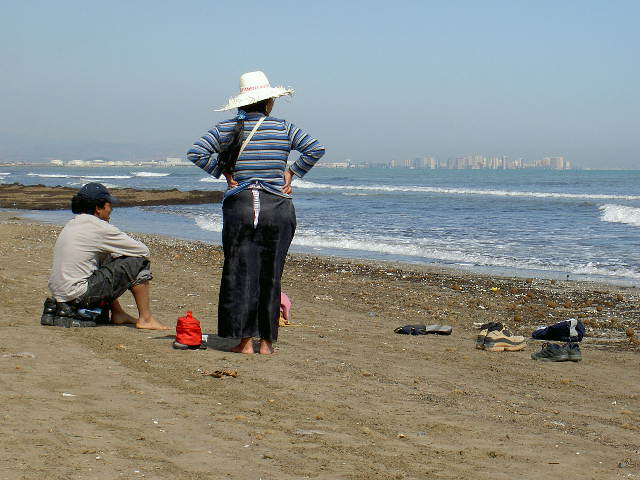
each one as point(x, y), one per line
point(374, 81)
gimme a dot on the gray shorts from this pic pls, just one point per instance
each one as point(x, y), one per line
point(113, 279)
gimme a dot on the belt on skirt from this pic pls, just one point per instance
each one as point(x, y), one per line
point(255, 188)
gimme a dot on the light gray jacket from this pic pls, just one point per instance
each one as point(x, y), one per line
point(84, 244)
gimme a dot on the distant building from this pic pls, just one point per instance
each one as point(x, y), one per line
point(555, 163)
point(333, 164)
point(462, 162)
point(175, 162)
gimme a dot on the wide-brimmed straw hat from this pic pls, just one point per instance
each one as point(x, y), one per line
point(254, 86)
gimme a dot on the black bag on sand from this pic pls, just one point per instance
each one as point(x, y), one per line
point(571, 330)
point(424, 330)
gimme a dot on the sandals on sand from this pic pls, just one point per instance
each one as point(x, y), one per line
point(424, 329)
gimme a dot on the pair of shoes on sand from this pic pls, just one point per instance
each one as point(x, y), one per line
point(182, 346)
point(494, 337)
point(61, 314)
point(424, 330)
point(552, 352)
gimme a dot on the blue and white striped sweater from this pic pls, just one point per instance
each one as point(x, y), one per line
point(264, 159)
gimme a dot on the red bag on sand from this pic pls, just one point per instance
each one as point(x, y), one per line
point(188, 331)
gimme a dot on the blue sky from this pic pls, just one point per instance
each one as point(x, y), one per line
point(374, 80)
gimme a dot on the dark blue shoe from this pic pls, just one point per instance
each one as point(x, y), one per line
point(71, 322)
point(48, 312)
point(551, 352)
point(573, 352)
point(64, 309)
point(67, 316)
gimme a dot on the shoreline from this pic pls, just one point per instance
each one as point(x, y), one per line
point(408, 263)
point(599, 266)
point(343, 396)
point(567, 297)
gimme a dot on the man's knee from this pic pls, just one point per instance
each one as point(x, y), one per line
point(144, 276)
point(121, 274)
point(136, 269)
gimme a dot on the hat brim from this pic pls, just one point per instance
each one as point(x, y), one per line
point(249, 98)
point(112, 200)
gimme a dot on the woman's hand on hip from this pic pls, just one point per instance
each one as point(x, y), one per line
point(288, 176)
point(230, 181)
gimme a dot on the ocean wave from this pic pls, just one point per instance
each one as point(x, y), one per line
point(461, 191)
point(213, 180)
point(88, 177)
point(51, 175)
point(149, 174)
point(431, 250)
point(459, 257)
point(4, 174)
point(620, 214)
point(80, 184)
point(109, 177)
point(590, 269)
point(210, 223)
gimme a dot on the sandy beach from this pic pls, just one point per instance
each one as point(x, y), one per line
point(344, 397)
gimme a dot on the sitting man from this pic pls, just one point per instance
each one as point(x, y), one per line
point(94, 263)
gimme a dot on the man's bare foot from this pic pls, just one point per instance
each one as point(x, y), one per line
point(122, 318)
point(151, 324)
point(266, 347)
point(245, 346)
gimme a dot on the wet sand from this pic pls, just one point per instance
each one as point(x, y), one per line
point(342, 398)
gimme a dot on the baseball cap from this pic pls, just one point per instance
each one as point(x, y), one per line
point(97, 191)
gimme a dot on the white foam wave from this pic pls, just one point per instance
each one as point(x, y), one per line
point(431, 250)
point(110, 177)
point(213, 180)
point(620, 214)
point(80, 184)
point(89, 177)
point(149, 174)
point(210, 223)
point(461, 191)
point(4, 174)
point(50, 175)
point(455, 256)
point(592, 269)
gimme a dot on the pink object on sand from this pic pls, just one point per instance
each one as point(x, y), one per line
point(285, 305)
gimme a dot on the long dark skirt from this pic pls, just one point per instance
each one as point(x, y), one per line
point(257, 229)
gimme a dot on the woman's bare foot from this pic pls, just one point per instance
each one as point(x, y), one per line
point(122, 318)
point(265, 347)
point(245, 346)
point(150, 323)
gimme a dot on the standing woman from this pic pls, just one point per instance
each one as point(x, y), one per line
point(258, 217)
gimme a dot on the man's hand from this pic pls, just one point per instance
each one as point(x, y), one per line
point(230, 181)
point(288, 176)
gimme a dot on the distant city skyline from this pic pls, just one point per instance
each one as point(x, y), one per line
point(374, 81)
point(469, 162)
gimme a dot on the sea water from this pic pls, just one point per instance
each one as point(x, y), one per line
point(553, 224)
